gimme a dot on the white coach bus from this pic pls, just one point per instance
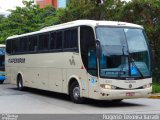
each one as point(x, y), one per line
point(103, 60)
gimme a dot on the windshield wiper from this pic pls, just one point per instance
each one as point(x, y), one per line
point(121, 69)
point(131, 60)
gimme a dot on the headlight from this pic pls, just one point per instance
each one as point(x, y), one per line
point(147, 86)
point(106, 86)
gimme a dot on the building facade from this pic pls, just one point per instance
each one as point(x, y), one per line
point(54, 3)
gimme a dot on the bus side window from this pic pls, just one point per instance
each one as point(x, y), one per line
point(59, 40)
point(92, 59)
point(67, 38)
point(43, 41)
point(88, 50)
point(74, 38)
point(70, 38)
point(23, 44)
point(9, 46)
point(33, 43)
point(15, 45)
point(53, 40)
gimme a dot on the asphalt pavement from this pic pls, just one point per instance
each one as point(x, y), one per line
point(44, 103)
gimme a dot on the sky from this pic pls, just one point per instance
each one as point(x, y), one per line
point(9, 4)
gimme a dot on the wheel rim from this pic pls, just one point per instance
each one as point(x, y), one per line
point(20, 85)
point(76, 93)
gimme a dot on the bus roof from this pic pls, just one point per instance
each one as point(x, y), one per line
point(91, 23)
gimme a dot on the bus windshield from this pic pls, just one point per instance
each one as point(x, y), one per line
point(124, 52)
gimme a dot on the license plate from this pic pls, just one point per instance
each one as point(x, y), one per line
point(130, 94)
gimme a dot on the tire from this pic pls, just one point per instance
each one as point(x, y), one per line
point(20, 83)
point(117, 101)
point(75, 93)
point(1, 82)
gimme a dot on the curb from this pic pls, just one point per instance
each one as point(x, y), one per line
point(155, 96)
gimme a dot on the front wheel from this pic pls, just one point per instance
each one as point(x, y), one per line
point(20, 83)
point(1, 82)
point(117, 101)
point(75, 93)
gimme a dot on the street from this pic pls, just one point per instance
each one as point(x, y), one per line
point(32, 101)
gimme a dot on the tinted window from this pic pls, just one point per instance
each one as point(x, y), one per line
point(53, 40)
point(67, 38)
point(23, 44)
point(59, 40)
point(33, 43)
point(74, 38)
point(88, 49)
point(9, 46)
point(43, 41)
point(70, 38)
point(15, 45)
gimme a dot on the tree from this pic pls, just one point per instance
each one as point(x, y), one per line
point(25, 19)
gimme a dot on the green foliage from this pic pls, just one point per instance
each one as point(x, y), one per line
point(156, 88)
point(25, 19)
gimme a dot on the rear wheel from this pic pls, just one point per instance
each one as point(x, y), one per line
point(20, 83)
point(75, 93)
point(1, 82)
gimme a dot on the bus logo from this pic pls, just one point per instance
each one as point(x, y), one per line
point(130, 86)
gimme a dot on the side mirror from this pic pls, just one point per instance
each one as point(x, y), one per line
point(98, 49)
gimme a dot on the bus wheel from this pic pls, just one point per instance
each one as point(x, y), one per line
point(75, 93)
point(1, 82)
point(20, 83)
point(117, 101)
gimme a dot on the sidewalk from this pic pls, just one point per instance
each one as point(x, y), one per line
point(155, 96)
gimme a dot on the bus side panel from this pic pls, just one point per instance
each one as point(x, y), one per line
point(84, 83)
point(64, 81)
point(13, 75)
point(30, 77)
point(55, 79)
point(8, 75)
point(42, 78)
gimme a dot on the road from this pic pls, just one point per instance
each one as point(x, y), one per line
point(32, 101)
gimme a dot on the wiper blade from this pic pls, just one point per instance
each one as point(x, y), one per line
point(121, 69)
point(132, 61)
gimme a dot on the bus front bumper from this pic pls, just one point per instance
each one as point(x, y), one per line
point(105, 94)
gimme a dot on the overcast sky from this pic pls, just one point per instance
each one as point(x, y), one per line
point(11, 4)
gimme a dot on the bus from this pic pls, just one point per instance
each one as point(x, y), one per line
point(102, 60)
point(2, 61)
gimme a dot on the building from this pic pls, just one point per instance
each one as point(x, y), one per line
point(54, 3)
